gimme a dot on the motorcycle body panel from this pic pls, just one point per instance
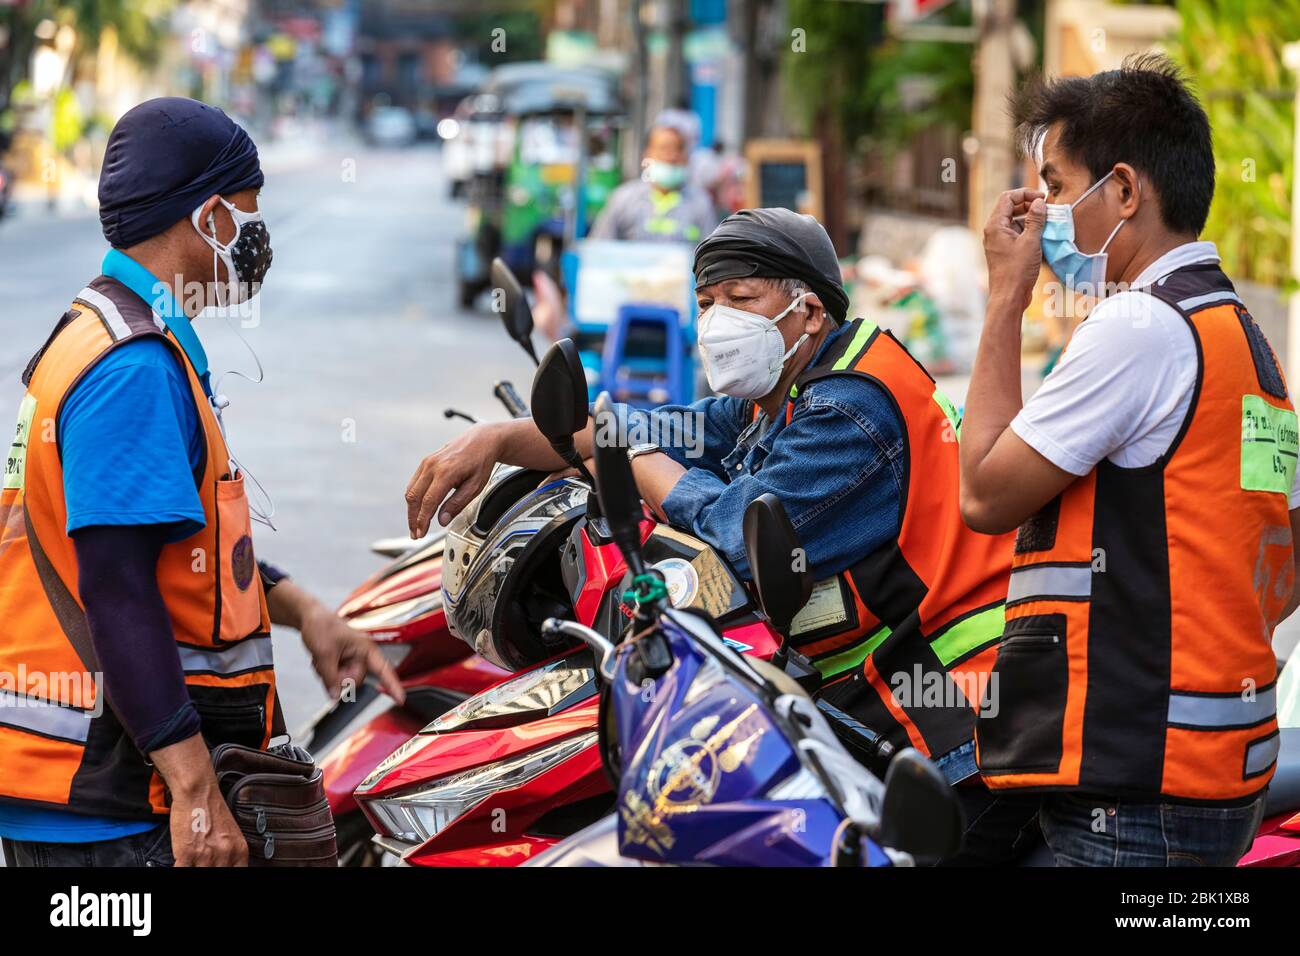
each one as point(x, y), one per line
point(539, 707)
point(709, 774)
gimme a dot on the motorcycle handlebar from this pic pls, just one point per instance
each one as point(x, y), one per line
point(506, 394)
point(602, 647)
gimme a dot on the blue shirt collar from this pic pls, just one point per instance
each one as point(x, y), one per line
point(118, 265)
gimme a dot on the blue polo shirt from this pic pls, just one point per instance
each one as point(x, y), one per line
point(131, 443)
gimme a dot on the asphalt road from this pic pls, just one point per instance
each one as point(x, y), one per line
point(362, 344)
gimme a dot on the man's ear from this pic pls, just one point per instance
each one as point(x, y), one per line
point(814, 314)
point(1130, 196)
point(225, 225)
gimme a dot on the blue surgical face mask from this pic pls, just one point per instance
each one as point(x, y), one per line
point(1081, 271)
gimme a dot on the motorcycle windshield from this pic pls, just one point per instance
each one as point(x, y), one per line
point(536, 693)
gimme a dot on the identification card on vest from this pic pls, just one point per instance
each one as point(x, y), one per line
point(825, 608)
point(16, 461)
point(1268, 446)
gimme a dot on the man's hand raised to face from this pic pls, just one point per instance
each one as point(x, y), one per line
point(1013, 247)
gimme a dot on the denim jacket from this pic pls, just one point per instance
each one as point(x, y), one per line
point(838, 468)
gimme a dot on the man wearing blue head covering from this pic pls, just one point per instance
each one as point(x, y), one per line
point(137, 617)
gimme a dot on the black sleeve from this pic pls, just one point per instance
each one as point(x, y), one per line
point(271, 575)
point(131, 632)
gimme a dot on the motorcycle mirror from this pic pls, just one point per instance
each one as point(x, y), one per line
point(515, 311)
point(559, 400)
point(620, 501)
point(919, 813)
point(776, 561)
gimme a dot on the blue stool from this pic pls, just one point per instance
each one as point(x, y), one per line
point(643, 363)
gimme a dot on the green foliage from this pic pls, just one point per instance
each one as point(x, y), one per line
point(944, 70)
point(1232, 50)
point(474, 30)
point(827, 67)
point(140, 24)
point(867, 79)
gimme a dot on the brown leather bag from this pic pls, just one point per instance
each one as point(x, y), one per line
point(277, 797)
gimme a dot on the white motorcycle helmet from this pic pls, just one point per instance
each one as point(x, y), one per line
point(500, 576)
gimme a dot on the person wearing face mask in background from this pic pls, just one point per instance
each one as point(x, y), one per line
point(837, 420)
point(662, 205)
point(126, 556)
point(1153, 481)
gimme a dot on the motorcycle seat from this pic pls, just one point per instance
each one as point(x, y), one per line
point(1284, 789)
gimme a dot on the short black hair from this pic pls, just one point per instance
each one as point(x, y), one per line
point(1142, 114)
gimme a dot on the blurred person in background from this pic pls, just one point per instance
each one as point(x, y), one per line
point(662, 205)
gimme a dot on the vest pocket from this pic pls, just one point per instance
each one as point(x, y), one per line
point(231, 715)
point(1021, 722)
point(240, 600)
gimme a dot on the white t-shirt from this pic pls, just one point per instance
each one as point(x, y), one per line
point(1123, 387)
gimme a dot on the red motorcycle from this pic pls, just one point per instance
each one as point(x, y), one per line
point(518, 767)
point(401, 608)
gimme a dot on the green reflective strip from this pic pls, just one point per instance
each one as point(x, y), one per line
point(859, 342)
point(853, 657)
point(949, 409)
point(1268, 446)
point(16, 461)
point(969, 634)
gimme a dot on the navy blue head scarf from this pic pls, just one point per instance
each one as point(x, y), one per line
point(164, 158)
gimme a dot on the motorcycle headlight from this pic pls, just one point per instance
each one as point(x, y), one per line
point(424, 813)
point(395, 615)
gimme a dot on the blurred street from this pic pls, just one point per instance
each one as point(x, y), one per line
point(360, 337)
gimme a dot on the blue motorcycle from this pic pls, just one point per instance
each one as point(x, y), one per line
point(717, 758)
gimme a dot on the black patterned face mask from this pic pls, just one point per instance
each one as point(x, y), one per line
point(251, 254)
point(247, 257)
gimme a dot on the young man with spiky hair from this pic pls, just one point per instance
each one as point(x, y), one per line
point(1152, 478)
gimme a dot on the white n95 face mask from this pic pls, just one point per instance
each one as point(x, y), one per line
point(742, 351)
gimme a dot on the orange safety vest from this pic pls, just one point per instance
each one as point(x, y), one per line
point(60, 744)
point(922, 615)
point(1138, 659)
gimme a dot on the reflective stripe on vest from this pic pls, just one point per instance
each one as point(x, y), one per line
point(1037, 582)
point(1137, 661)
point(250, 654)
point(1215, 712)
point(44, 717)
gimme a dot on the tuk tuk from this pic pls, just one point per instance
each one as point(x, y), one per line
point(562, 165)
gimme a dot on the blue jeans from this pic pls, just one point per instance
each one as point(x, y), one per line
point(1098, 831)
point(150, 848)
point(958, 764)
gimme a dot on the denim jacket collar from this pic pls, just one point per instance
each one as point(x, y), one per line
point(755, 441)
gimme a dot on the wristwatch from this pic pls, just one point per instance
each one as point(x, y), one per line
point(645, 448)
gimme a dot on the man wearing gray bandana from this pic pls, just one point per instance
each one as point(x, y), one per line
point(837, 420)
